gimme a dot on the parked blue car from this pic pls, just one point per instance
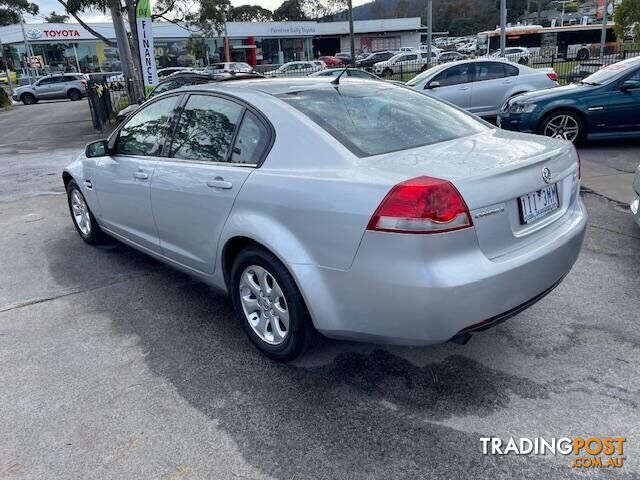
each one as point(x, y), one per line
point(605, 104)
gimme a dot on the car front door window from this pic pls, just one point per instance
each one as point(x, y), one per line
point(205, 129)
point(145, 132)
point(453, 76)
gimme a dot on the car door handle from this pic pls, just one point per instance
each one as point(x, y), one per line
point(141, 175)
point(219, 182)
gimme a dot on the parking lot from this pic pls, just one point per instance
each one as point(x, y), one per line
point(116, 366)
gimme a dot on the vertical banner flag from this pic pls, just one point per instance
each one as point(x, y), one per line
point(145, 44)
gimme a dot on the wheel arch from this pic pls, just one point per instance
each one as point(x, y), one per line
point(304, 275)
point(570, 108)
point(66, 178)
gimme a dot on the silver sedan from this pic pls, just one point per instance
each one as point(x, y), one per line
point(361, 210)
point(482, 86)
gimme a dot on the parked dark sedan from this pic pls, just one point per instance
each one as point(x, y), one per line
point(603, 105)
point(374, 58)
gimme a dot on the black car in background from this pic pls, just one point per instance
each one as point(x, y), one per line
point(373, 58)
point(181, 79)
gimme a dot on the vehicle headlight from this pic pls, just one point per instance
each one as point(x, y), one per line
point(522, 108)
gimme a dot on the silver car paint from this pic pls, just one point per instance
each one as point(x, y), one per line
point(54, 91)
point(484, 98)
point(310, 201)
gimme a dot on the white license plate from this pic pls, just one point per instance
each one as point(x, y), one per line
point(536, 205)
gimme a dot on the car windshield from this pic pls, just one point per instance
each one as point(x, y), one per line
point(375, 119)
point(427, 73)
point(607, 73)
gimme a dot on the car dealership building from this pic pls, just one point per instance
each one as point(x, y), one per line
point(68, 47)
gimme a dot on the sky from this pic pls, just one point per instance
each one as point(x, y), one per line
point(46, 6)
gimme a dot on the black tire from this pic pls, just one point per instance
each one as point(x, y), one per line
point(74, 95)
point(95, 235)
point(542, 126)
point(301, 333)
point(28, 98)
point(387, 72)
point(583, 54)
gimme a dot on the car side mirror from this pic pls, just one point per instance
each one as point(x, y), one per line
point(140, 101)
point(433, 85)
point(96, 149)
point(630, 85)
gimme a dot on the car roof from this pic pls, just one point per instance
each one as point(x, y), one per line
point(275, 86)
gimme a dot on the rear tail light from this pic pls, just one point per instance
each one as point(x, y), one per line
point(421, 205)
point(553, 76)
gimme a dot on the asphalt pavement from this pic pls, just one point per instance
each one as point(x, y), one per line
point(115, 366)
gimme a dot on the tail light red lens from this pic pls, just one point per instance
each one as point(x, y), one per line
point(421, 205)
point(553, 76)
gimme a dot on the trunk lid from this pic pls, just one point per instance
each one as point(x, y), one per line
point(492, 170)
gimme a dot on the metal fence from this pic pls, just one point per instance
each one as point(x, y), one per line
point(570, 66)
point(106, 98)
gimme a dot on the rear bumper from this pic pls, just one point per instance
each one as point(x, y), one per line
point(412, 290)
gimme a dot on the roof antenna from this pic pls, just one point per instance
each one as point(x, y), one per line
point(336, 81)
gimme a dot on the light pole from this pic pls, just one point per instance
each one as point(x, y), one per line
point(603, 33)
point(429, 30)
point(351, 38)
point(503, 26)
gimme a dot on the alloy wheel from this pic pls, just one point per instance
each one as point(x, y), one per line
point(562, 126)
point(264, 305)
point(80, 212)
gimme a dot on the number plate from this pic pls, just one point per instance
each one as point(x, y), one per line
point(536, 205)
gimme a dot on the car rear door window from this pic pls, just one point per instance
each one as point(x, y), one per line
point(145, 132)
point(251, 141)
point(511, 71)
point(489, 71)
point(205, 129)
point(454, 75)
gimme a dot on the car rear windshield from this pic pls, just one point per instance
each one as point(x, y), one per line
point(374, 119)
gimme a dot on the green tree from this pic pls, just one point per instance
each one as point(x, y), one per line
point(290, 10)
point(627, 18)
point(10, 10)
point(249, 13)
point(210, 17)
point(54, 17)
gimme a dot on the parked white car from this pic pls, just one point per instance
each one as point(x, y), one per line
point(482, 86)
point(294, 69)
point(514, 54)
point(228, 67)
point(404, 63)
point(467, 48)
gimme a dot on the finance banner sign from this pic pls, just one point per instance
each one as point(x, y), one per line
point(145, 44)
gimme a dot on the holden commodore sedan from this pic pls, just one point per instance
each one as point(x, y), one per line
point(603, 105)
point(357, 209)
